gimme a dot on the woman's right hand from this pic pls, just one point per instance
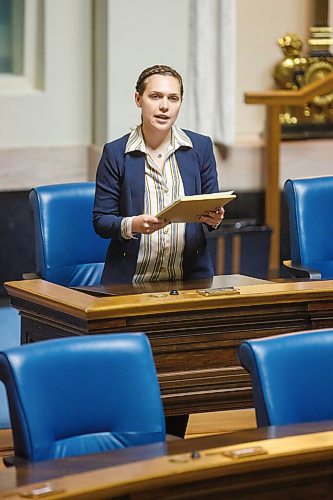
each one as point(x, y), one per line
point(147, 224)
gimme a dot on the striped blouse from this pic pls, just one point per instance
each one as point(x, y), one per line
point(161, 253)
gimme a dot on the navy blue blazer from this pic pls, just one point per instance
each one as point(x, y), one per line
point(120, 187)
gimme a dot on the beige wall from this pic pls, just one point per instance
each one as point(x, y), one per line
point(142, 34)
point(45, 134)
point(60, 113)
point(259, 25)
point(161, 35)
point(151, 38)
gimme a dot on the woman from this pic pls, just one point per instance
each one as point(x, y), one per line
point(143, 172)
point(138, 176)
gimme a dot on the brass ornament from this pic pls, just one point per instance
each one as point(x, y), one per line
point(295, 71)
point(289, 73)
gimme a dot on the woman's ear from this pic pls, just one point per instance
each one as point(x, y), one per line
point(138, 99)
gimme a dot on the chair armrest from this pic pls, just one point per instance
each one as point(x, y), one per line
point(9, 461)
point(299, 271)
point(12, 461)
point(30, 276)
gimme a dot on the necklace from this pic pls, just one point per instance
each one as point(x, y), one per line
point(159, 154)
point(152, 153)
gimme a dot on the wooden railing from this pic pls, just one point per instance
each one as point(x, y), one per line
point(274, 100)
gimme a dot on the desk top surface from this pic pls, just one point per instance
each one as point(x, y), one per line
point(250, 291)
point(121, 468)
point(221, 284)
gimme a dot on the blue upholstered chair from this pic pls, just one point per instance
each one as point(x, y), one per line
point(292, 376)
point(310, 203)
point(9, 337)
point(68, 251)
point(81, 395)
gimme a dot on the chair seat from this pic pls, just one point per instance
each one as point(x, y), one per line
point(324, 266)
point(88, 274)
point(99, 442)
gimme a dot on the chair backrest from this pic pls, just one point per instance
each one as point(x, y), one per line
point(81, 395)
point(292, 376)
point(68, 251)
point(310, 203)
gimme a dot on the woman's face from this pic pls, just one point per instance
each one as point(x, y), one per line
point(160, 102)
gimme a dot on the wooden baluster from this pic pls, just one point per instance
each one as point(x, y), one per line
point(272, 183)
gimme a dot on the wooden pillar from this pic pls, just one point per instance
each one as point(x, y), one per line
point(272, 183)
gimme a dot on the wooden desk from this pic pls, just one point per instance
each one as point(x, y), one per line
point(296, 463)
point(194, 338)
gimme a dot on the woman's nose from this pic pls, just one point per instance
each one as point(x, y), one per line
point(164, 103)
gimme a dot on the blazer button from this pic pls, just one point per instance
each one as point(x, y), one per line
point(124, 254)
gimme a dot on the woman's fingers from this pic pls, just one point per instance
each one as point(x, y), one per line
point(150, 224)
point(213, 217)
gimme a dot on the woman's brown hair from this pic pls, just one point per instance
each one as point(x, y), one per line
point(158, 69)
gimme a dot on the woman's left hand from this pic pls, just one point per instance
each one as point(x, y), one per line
point(213, 217)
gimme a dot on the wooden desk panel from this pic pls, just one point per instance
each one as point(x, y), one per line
point(296, 463)
point(194, 338)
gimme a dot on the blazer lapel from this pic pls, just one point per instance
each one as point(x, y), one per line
point(188, 167)
point(135, 179)
point(135, 176)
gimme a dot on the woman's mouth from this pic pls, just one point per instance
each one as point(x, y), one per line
point(162, 118)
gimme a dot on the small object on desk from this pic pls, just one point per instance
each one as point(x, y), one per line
point(45, 490)
point(195, 455)
point(157, 295)
point(245, 452)
point(174, 292)
point(179, 459)
point(226, 290)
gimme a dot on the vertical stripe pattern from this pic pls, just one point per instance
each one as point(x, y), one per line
point(161, 253)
